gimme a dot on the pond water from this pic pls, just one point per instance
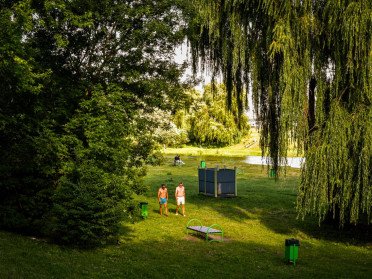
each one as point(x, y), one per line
point(294, 162)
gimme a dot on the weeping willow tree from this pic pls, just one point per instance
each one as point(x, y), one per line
point(309, 65)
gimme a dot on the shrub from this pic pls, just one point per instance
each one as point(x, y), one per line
point(88, 207)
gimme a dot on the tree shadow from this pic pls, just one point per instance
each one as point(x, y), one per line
point(126, 232)
point(281, 217)
point(170, 210)
point(259, 197)
point(171, 256)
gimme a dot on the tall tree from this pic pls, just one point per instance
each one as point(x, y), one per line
point(212, 123)
point(309, 64)
point(76, 78)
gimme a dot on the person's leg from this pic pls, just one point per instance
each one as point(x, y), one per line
point(166, 209)
point(183, 209)
point(178, 205)
point(160, 209)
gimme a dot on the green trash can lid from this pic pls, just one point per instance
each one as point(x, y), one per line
point(143, 203)
point(292, 241)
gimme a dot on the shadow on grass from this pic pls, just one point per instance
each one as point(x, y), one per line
point(126, 231)
point(278, 214)
point(271, 202)
point(180, 257)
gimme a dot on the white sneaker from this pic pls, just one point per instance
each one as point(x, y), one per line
point(176, 213)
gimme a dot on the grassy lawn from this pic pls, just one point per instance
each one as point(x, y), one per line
point(256, 224)
point(247, 147)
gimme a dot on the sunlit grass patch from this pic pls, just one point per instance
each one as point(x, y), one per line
point(256, 224)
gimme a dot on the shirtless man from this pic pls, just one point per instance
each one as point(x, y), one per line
point(163, 199)
point(180, 198)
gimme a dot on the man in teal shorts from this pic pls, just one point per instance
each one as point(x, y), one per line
point(163, 199)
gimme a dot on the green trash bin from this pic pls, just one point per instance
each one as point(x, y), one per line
point(272, 173)
point(202, 164)
point(291, 250)
point(144, 209)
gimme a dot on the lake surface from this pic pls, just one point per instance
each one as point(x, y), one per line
point(294, 162)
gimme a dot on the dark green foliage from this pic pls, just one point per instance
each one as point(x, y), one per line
point(100, 171)
point(28, 150)
point(77, 78)
point(87, 207)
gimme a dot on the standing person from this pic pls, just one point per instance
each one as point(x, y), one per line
point(163, 199)
point(180, 198)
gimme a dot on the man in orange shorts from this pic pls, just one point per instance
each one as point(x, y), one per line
point(163, 199)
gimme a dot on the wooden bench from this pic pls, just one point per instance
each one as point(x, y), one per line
point(196, 226)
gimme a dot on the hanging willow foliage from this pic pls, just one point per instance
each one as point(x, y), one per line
point(309, 64)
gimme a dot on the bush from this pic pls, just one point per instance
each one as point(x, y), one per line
point(103, 167)
point(88, 207)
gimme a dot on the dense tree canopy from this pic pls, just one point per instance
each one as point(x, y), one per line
point(77, 78)
point(204, 120)
point(212, 124)
point(310, 67)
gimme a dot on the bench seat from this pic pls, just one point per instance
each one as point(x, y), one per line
point(214, 229)
point(203, 229)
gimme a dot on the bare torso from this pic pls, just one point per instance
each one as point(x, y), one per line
point(180, 191)
point(162, 193)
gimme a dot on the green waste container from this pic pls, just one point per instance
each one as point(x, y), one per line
point(202, 164)
point(291, 250)
point(272, 173)
point(144, 209)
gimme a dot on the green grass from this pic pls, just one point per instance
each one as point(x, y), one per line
point(256, 223)
point(249, 146)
